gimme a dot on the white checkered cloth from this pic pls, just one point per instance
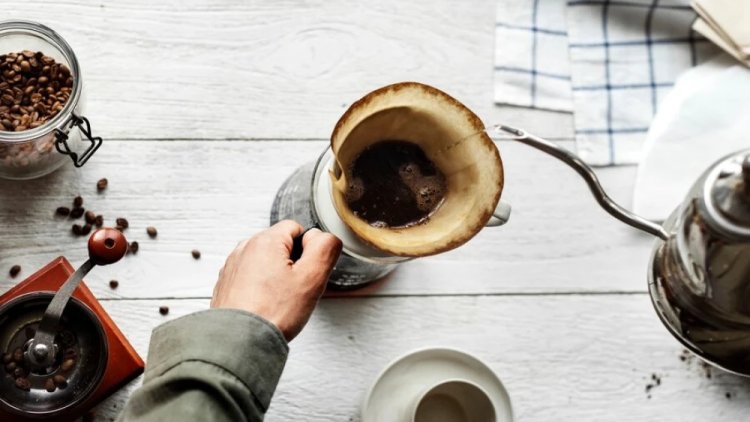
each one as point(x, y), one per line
point(608, 61)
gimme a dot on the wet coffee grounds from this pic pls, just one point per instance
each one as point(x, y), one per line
point(393, 184)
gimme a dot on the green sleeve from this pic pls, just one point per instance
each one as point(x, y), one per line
point(215, 365)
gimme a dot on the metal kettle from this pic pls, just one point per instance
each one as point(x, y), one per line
point(699, 274)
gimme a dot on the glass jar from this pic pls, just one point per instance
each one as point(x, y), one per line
point(38, 151)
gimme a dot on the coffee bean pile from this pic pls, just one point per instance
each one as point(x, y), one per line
point(15, 364)
point(33, 89)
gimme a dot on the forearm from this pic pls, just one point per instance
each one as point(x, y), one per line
point(218, 365)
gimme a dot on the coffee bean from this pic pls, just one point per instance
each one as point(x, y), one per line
point(23, 384)
point(10, 367)
point(86, 229)
point(163, 310)
point(77, 212)
point(151, 231)
point(60, 381)
point(70, 353)
point(133, 247)
point(102, 184)
point(113, 284)
point(196, 253)
point(76, 229)
point(14, 270)
point(122, 222)
point(78, 201)
point(18, 355)
point(49, 385)
point(90, 217)
point(99, 221)
point(119, 228)
point(19, 372)
point(68, 364)
point(62, 211)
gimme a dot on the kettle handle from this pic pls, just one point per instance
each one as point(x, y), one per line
point(588, 175)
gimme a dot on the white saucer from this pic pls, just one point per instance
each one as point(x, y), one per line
point(402, 381)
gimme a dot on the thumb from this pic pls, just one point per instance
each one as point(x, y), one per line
point(319, 254)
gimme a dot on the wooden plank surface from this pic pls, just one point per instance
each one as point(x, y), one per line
point(562, 358)
point(210, 195)
point(206, 107)
point(281, 69)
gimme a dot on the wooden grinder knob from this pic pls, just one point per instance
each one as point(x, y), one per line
point(107, 246)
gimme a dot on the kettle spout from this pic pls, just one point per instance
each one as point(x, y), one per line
point(587, 174)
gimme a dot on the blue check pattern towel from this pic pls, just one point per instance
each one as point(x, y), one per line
point(610, 62)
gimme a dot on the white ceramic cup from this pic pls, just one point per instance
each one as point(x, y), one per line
point(454, 401)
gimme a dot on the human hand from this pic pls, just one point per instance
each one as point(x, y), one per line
point(259, 277)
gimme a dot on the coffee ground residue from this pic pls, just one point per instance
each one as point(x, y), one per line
point(394, 184)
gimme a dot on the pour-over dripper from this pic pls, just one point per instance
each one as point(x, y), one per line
point(430, 119)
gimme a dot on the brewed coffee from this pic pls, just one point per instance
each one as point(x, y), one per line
point(393, 184)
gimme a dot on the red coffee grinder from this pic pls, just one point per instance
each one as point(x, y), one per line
point(62, 354)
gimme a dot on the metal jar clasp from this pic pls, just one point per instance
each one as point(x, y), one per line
point(61, 140)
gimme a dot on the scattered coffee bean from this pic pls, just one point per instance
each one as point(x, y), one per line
point(86, 229)
point(62, 211)
point(60, 381)
point(23, 384)
point(76, 229)
point(10, 367)
point(90, 217)
point(99, 221)
point(163, 310)
point(77, 212)
point(151, 230)
point(122, 222)
point(78, 202)
point(18, 355)
point(14, 270)
point(102, 184)
point(33, 89)
point(68, 364)
point(113, 284)
point(49, 385)
point(196, 253)
point(133, 247)
point(19, 372)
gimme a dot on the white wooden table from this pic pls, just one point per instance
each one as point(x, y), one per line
point(206, 106)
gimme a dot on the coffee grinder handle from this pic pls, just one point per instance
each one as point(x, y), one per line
point(588, 175)
point(106, 246)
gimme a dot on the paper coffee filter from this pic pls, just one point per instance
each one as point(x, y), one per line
point(451, 135)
